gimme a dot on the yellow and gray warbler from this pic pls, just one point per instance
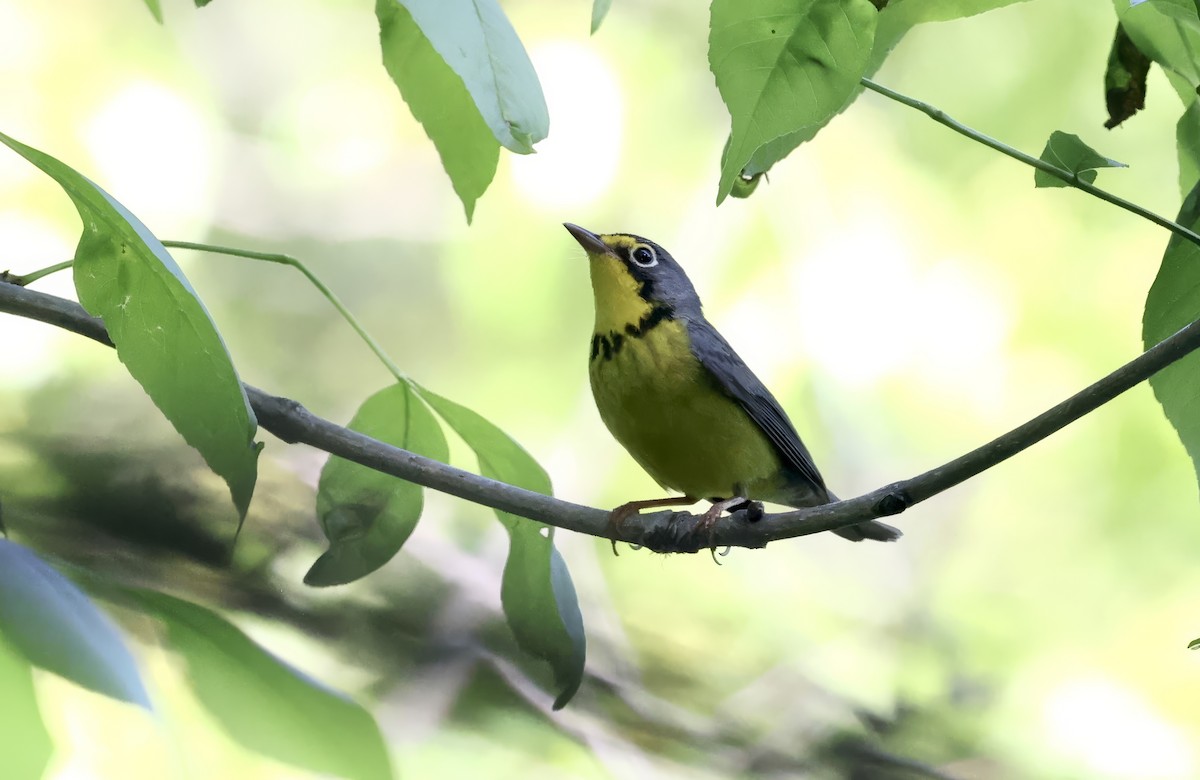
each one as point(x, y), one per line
point(678, 397)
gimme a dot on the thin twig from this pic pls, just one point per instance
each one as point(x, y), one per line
point(661, 531)
point(1071, 179)
point(282, 259)
point(22, 280)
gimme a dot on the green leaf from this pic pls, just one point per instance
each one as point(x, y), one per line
point(163, 333)
point(263, 703)
point(477, 42)
point(537, 593)
point(1187, 143)
point(155, 10)
point(1124, 79)
point(367, 516)
point(1173, 302)
point(25, 743)
point(1184, 10)
point(1192, 645)
point(54, 626)
point(1168, 33)
point(1066, 151)
point(438, 100)
point(784, 67)
point(599, 11)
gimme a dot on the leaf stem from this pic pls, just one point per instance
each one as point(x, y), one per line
point(282, 259)
point(31, 277)
point(939, 116)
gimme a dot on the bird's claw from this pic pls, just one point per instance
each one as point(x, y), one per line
point(616, 521)
point(708, 521)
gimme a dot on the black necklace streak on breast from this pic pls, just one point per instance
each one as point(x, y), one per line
point(607, 346)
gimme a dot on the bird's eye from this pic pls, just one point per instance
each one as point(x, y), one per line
point(645, 257)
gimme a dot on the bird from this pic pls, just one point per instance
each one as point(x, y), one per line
point(681, 401)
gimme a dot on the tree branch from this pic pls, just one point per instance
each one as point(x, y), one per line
point(660, 531)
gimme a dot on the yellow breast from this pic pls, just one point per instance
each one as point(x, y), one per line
point(666, 410)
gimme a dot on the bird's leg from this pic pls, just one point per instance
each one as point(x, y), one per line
point(625, 511)
point(709, 519)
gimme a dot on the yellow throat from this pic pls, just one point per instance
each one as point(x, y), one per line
point(618, 295)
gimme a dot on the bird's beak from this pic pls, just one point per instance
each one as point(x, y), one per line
point(590, 242)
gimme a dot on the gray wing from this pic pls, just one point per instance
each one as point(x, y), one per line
point(740, 383)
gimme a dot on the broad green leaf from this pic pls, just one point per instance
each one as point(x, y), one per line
point(784, 67)
point(599, 11)
point(263, 703)
point(1187, 142)
point(25, 744)
point(155, 10)
point(1124, 79)
point(1068, 152)
point(54, 626)
point(367, 515)
point(1192, 645)
point(163, 333)
point(438, 100)
point(537, 593)
point(1173, 302)
point(477, 42)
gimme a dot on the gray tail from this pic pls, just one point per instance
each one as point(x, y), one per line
point(872, 529)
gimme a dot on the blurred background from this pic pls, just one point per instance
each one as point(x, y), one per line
point(906, 293)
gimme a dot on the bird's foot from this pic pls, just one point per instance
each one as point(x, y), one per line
point(618, 517)
point(708, 520)
point(616, 521)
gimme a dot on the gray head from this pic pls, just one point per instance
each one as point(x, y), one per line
point(630, 273)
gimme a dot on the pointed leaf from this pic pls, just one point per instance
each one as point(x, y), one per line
point(1068, 152)
point(784, 66)
point(476, 41)
point(155, 10)
point(599, 11)
point(440, 101)
point(263, 703)
point(53, 625)
point(163, 333)
point(537, 592)
point(367, 516)
point(25, 743)
point(1173, 302)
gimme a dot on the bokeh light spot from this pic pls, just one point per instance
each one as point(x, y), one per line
point(577, 162)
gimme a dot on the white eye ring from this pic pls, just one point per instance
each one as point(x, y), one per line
point(640, 250)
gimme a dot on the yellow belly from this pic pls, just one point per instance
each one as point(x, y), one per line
point(663, 407)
